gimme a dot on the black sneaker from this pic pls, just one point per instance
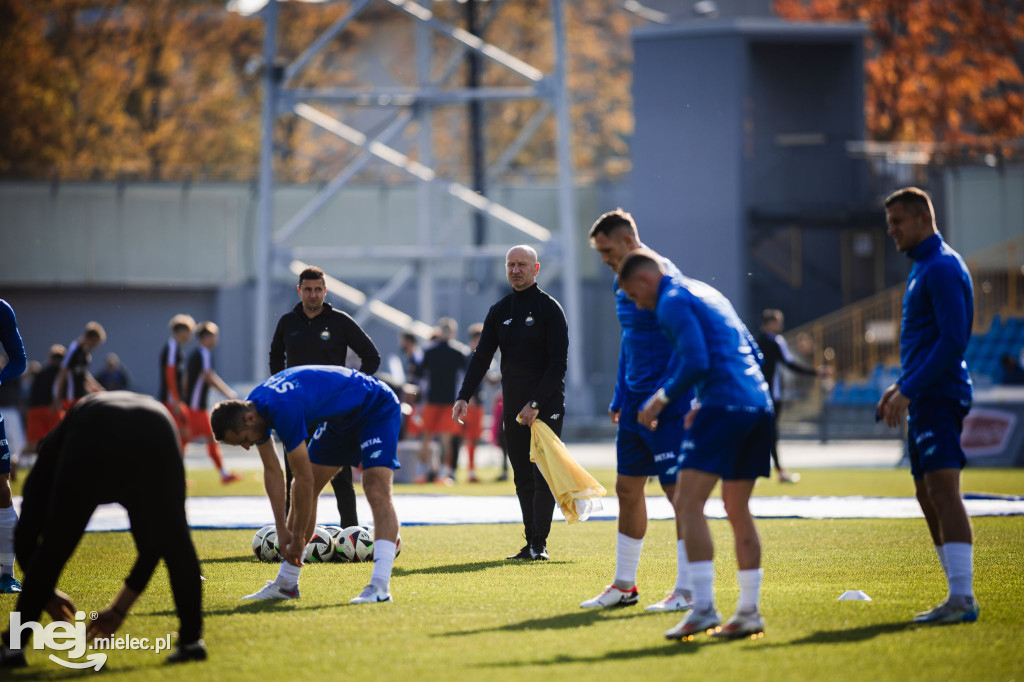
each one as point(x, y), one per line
point(539, 553)
point(194, 651)
point(12, 658)
point(524, 553)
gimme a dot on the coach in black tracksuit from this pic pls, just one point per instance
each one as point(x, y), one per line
point(111, 447)
point(314, 333)
point(530, 329)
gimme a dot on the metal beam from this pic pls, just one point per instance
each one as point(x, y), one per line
point(422, 172)
point(408, 96)
point(327, 36)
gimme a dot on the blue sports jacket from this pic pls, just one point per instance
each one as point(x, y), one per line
point(938, 313)
point(718, 356)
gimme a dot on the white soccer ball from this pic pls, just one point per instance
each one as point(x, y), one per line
point(269, 550)
point(320, 548)
point(257, 540)
point(355, 544)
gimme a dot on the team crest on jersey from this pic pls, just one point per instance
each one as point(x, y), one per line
point(529, 320)
point(325, 335)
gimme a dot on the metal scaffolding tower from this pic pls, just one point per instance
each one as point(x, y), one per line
point(281, 98)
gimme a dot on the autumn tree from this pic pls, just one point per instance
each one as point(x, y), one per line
point(946, 71)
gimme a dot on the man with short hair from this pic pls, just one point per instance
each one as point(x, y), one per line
point(92, 458)
point(199, 377)
point(348, 418)
point(729, 438)
point(439, 374)
point(529, 327)
point(936, 391)
point(314, 333)
point(646, 361)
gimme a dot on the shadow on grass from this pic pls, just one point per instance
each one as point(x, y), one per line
point(247, 558)
point(859, 634)
point(668, 649)
point(263, 606)
point(471, 567)
point(562, 621)
point(42, 668)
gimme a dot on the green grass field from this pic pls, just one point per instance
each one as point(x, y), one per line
point(463, 613)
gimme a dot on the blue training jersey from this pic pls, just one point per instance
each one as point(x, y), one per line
point(717, 355)
point(646, 357)
point(938, 312)
point(14, 347)
point(296, 400)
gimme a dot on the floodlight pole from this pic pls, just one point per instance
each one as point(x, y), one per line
point(265, 214)
point(580, 396)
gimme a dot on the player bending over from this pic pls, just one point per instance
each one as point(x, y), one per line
point(353, 419)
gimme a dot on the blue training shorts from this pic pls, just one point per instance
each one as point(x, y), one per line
point(933, 436)
point(5, 449)
point(372, 442)
point(734, 443)
point(642, 452)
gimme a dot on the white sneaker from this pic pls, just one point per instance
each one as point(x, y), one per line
point(371, 594)
point(612, 596)
point(675, 601)
point(272, 591)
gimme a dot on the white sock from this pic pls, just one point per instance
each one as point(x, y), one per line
point(683, 583)
point(8, 520)
point(939, 549)
point(627, 559)
point(960, 559)
point(702, 573)
point(288, 575)
point(750, 588)
point(383, 561)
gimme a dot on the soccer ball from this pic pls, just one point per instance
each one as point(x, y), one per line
point(335, 532)
point(320, 548)
point(268, 550)
point(355, 544)
point(257, 540)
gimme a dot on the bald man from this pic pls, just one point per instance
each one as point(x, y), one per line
point(529, 327)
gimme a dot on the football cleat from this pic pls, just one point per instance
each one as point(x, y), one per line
point(524, 553)
point(272, 591)
point(612, 597)
point(675, 601)
point(742, 624)
point(966, 611)
point(193, 651)
point(9, 584)
point(231, 477)
point(371, 594)
point(695, 623)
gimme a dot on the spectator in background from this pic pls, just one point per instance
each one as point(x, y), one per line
point(776, 351)
point(114, 376)
point(43, 416)
point(172, 368)
point(74, 380)
point(1012, 373)
point(200, 375)
point(474, 419)
point(314, 333)
point(442, 364)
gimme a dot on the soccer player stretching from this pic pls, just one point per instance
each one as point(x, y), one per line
point(353, 419)
point(935, 388)
point(730, 437)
